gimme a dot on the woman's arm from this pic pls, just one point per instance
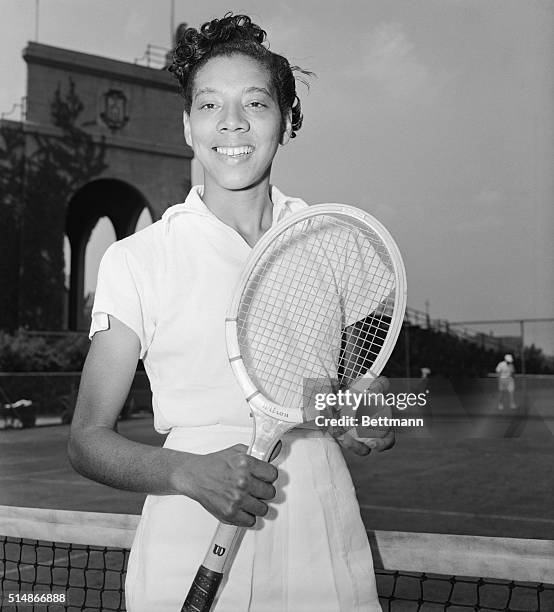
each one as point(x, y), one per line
point(229, 484)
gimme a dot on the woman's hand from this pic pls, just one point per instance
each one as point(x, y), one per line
point(230, 484)
point(355, 440)
point(364, 447)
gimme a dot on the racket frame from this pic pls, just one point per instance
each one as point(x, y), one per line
point(400, 297)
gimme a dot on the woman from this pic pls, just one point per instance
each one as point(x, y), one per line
point(161, 297)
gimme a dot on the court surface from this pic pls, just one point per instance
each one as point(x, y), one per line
point(496, 486)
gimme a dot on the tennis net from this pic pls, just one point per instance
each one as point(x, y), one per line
point(81, 558)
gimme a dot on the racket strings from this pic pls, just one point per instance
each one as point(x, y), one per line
point(363, 341)
point(293, 333)
point(316, 307)
point(307, 277)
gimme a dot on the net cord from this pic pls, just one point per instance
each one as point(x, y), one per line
point(491, 557)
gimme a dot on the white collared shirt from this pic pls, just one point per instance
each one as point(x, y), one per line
point(171, 283)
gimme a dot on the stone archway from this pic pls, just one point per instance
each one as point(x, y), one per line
point(72, 162)
point(117, 200)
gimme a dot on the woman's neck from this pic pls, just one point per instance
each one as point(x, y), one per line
point(248, 211)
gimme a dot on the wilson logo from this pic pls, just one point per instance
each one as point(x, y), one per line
point(219, 550)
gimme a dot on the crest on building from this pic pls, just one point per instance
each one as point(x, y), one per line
point(114, 113)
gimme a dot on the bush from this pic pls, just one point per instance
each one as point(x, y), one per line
point(25, 352)
point(55, 360)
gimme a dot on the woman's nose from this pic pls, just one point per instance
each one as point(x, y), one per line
point(233, 119)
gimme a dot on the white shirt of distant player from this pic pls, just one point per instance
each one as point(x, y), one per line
point(505, 369)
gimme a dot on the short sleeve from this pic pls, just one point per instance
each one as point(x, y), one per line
point(123, 292)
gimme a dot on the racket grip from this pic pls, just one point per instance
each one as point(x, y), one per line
point(202, 591)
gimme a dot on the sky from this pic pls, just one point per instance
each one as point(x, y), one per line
point(436, 116)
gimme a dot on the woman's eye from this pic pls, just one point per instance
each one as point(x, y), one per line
point(207, 106)
point(256, 104)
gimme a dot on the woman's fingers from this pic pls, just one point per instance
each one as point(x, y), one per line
point(234, 486)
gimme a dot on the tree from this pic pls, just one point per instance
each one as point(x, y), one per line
point(38, 175)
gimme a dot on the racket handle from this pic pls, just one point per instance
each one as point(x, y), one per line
point(227, 537)
point(202, 591)
point(206, 583)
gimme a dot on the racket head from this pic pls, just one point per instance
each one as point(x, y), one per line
point(305, 280)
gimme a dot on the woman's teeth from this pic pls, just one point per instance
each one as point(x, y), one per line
point(234, 151)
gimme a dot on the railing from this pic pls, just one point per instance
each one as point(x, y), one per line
point(421, 319)
point(155, 56)
point(412, 317)
point(21, 105)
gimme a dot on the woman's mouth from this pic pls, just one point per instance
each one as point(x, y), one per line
point(234, 151)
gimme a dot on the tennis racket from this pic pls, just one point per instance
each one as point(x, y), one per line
point(319, 307)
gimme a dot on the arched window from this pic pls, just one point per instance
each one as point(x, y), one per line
point(100, 239)
point(144, 220)
point(99, 213)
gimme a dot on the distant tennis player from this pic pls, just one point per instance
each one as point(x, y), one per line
point(506, 384)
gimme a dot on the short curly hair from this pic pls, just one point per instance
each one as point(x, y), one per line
point(236, 34)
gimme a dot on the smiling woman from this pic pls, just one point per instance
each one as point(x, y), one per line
point(240, 105)
point(234, 126)
point(162, 296)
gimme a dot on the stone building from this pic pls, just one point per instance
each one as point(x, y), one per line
point(100, 138)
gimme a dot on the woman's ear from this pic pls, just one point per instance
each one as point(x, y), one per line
point(285, 136)
point(186, 126)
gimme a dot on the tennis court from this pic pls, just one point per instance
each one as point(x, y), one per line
point(455, 524)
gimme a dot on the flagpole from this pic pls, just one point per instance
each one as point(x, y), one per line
point(171, 25)
point(36, 20)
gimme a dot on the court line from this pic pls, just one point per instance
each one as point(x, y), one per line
point(32, 473)
point(46, 470)
point(16, 462)
point(55, 481)
point(500, 517)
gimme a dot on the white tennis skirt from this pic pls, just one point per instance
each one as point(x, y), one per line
point(309, 553)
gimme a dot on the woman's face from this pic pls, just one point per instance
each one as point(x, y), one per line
point(234, 126)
